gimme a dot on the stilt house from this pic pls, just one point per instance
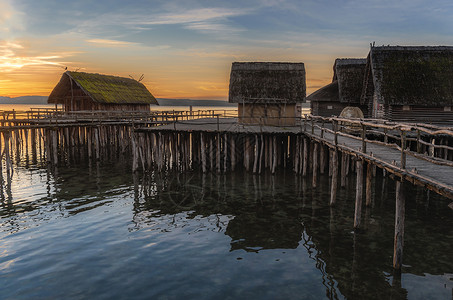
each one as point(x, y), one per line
point(86, 91)
point(344, 90)
point(267, 92)
point(413, 84)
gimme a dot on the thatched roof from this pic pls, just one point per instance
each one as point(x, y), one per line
point(346, 86)
point(328, 93)
point(414, 75)
point(349, 73)
point(102, 89)
point(267, 82)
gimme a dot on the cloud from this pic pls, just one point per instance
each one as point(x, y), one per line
point(192, 16)
point(12, 59)
point(111, 43)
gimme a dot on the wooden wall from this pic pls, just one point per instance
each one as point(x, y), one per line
point(77, 100)
point(326, 109)
point(419, 114)
point(267, 114)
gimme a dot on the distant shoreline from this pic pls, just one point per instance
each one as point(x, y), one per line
point(162, 101)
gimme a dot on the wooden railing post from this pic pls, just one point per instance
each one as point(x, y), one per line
point(363, 138)
point(335, 129)
point(312, 126)
point(322, 129)
point(218, 123)
point(403, 146)
point(386, 138)
point(419, 145)
point(305, 123)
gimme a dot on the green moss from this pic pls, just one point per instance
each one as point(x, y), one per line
point(112, 89)
point(415, 77)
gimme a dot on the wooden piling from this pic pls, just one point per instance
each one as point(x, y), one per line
point(203, 153)
point(369, 177)
point(334, 184)
point(306, 149)
point(399, 226)
point(315, 164)
point(359, 194)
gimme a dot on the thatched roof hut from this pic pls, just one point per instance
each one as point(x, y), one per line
point(267, 92)
point(267, 82)
point(88, 91)
point(409, 83)
point(345, 89)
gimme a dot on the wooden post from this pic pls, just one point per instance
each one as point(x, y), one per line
point(323, 159)
point(344, 159)
point(247, 153)
point(399, 226)
point(134, 154)
point(403, 146)
point(55, 147)
point(274, 162)
point(419, 145)
point(369, 176)
point(256, 149)
point(203, 153)
point(6, 136)
point(233, 153)
point(219, 168)
point(225, 152)
point(315, 164)
point(333, 187)
point(261, 154)
point(306, 149)
point(297, 155)
point(211, 153)
point(358, 194)
point(335, 128)
point(363, 138)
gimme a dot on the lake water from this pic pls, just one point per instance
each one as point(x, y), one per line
point(99, 232)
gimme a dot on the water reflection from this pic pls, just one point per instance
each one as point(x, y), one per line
point(257, 214)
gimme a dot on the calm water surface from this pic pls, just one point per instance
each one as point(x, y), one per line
point(102, 232)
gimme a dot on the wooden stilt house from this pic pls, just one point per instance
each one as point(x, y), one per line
point(267, 92)
point(413, 84)
point(86, 91)
point(344, 90)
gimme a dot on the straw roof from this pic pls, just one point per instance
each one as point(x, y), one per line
point(267, 82)
point(349, 72)
point(103, 89)
point(346, 86)
point(410, 76)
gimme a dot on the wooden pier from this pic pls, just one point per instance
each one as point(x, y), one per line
point(420, 154)
point(215, 142)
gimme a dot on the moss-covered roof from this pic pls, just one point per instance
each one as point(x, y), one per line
point(346, 86)
point(421, 76)
point(103, 89)
point(267, 82)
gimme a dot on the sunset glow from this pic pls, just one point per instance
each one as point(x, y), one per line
point(185, 50)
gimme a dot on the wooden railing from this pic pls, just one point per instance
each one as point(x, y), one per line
point(408, 138)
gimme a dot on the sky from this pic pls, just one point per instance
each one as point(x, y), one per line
point(185, 48)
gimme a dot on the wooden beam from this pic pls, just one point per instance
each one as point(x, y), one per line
point(358, 194)
point(399, 226)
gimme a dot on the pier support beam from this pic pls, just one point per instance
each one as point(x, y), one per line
point(399, 226)
point(315, 164)
point(333, 187)
point(369, 177)
point(358, 194)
